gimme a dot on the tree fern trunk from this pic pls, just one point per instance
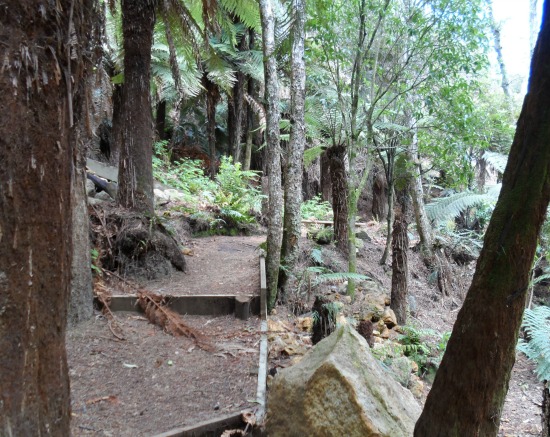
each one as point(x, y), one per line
point(339, 180)
point(400, 247)
point(471, 383)
point(545, 410)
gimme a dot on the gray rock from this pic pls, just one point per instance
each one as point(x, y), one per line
point(339, 389)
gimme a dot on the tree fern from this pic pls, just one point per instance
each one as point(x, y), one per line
point(451, 206)
point(536, 323)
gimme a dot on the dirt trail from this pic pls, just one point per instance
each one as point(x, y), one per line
point(217, 265)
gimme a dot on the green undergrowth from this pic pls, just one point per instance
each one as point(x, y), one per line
point(227, 205)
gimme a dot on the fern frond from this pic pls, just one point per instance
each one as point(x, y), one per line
point(340, 276)
point(247, 11)
point(451, 206)
point(317, 256)
point(312, 154)
point(536, 323)
point(496, 160)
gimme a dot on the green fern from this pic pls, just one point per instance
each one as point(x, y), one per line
point(451, 206)
point(340, 276)
point(496, 160)
point(536, 323)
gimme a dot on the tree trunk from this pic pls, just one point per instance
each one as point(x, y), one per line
point(212, 97)
point(235, 113)
point(275, 225)
point(326, 185)
point(533, 29)
point(45, 48)
point(135, 170)
point(546, 410)
point(390, 179)
point(423, 226)
point(495, 29)
point(296, 145)
point(400, 246)
point(113, 153)
point(81, 302)
point(471, 384)
point(160, 120)
point(339, 180)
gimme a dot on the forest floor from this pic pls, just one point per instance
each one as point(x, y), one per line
point(129, 378)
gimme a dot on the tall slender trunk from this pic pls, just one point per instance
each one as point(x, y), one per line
point(296, 145)
point(340, 193)
point(400, 247)
point(505, 82)
point(423, 226)
point(471, 384)
point(235, 113)
point(275, 225)
point(45, 66)
point(113, 153)
point(212, 97)
point(390, 178)
point(160, 120)
point(135, 169)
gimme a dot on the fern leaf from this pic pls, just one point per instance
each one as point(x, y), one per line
point(496, 160)
point(536, 323)
point(451, 206)
point(340, 276)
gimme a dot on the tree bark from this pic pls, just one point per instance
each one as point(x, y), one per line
point(275, 225)
point(505, 82)
point(45, 48)
point(423, 226)
point(545, 410)
point(296, 145)
point(340, 192)
point(533, 29)
point(471, 384)
point(81, 302)
point(326, 185)
point(160, 120)
point(400, 265)
point(235, 113)
point(212, 97)
point(135, 170)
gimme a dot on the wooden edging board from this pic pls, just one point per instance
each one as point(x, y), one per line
point(196, 305)
point(208, 428)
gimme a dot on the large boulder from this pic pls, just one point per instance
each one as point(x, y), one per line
point(339, 389)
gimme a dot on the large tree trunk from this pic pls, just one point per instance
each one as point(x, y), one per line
point(400, 265)
point(296, 145)
point(275, 225)
point(81, 302)
point(340, 192)
point(471, 384)
point(533, 29)
point(135, 170)
point(45, 47)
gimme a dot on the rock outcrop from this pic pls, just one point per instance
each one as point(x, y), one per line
point(339, 389)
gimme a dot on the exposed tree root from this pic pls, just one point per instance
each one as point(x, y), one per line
point(134, 245)
point(158, 313)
